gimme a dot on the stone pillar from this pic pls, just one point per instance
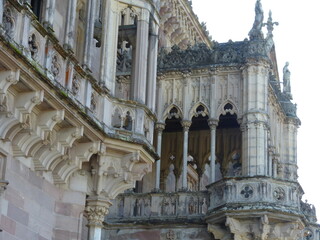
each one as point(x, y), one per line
point(141, 58)
point(292, 125)
point(271, 150)
point(160, 127)
point(186, 125)
point(88, 43)
point(25, 30)
point(275, 163)
point(70, 25)
point(255, 119)
point(1, 13)
point(213, 126)
point(49, 13)
point(152, 67)
point(109, 39)
point(96, 210)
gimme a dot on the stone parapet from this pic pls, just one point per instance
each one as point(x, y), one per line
point(258, 193)
point(154, 207)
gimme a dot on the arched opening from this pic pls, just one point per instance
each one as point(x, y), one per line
point(171, 151)
point(228, 143)
point(198, 147)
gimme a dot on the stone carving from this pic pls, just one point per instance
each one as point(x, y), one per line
point(3, 103)
point(33, 46)
point(269, 25)
point(171, 235)
point(48, 138)
point(55, 67)
point(96, 214)
point(127, 124)
point(200, 55)
point(75, 89)
point(289, 108)
point(247, 192)
point(8, 21)
point(197, 54)
point(309, 211)
point(93, 103)
point(123, 84)
point(171, 179)
point(256, 33)
point(286, 81)
point(124, 61)
point(279, 194)
point(168, 205)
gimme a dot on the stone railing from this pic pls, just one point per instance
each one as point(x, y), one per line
point(154, 206)
point(255, 192)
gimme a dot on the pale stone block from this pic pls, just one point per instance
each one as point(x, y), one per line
point(74, 197)
point(14, 197)
point(23, 232)
point(18, 214)
point(8, 225)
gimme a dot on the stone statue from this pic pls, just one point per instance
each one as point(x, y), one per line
point(286, 80)
point(128, 122)
point(256, 33)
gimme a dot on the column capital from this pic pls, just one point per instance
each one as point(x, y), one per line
point(144, 15)
point(213, 123)
point(160, 126)
point(186, 124)
point(96, 210)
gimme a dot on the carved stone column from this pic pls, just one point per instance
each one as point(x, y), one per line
point(1, 14)
point(141, 58)
point(49, 13)
point(275, 162)
point(70, 24)
point(160, 127)
point(91, 6)
point(152, 67)
point(213, 126)
point(186, 125)
point(255, 119)
point(96, 210)
point(109, 38)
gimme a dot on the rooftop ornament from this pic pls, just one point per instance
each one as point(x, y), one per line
point(269, 25)
point(256, 31)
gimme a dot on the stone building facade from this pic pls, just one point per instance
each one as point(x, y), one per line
point(121, 119)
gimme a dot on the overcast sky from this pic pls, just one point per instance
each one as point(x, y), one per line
point(297, 40)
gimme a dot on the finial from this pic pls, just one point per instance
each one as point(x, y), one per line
point(256, 33)
point(270, 24)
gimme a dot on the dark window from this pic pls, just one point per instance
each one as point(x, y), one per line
point(36, 7)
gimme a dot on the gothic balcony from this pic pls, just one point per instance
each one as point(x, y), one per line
point(254, 194)
point(158, 207)
point(43, 54)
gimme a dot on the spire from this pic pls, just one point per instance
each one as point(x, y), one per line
point(270, 24)
point(256, 33)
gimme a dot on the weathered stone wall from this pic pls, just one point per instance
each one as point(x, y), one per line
point(33, 208)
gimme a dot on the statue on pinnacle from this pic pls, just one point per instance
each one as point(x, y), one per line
point(256, 31)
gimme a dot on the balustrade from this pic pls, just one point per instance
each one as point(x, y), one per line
point(258, 191)
point(148, 206)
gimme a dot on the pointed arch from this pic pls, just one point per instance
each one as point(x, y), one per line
point(227, 106)
point(169, 114)
point(195, 111)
